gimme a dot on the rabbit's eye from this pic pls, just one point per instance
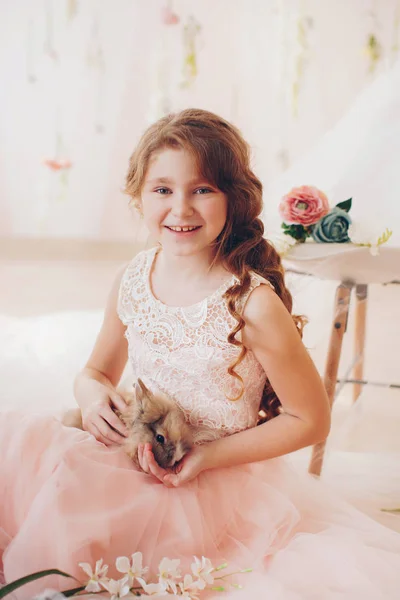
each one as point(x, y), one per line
point(160, 438)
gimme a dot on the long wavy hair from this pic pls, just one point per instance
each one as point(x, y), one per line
point(223, 158)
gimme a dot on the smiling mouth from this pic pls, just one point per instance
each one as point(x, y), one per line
point(183, 229)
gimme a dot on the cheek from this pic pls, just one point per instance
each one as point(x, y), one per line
point(216, 212)
point(153, 211)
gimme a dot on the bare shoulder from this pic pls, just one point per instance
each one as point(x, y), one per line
point(272, 336)
point(268, 322)
point(262, 300)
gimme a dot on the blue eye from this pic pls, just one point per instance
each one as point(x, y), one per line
point(202, 191)
point(163, 191)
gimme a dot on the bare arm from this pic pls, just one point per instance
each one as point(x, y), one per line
point(94, 386)
point(271, 334)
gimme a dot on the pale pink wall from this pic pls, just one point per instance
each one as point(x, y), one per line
point(246, 48)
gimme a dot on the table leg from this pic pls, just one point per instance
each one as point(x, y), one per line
point(359, 339)
point(339, 325)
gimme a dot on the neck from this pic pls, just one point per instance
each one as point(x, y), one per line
point(194, 266)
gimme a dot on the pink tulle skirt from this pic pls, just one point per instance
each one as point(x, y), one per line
point(65, 498)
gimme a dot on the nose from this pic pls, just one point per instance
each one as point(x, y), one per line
point(182, 205)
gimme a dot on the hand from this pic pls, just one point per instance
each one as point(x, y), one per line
point(187, 469)
point(99, 418)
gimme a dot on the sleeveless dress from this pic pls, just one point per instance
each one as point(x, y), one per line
point(65, 498)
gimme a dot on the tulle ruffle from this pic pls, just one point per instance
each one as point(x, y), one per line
point(65, 498)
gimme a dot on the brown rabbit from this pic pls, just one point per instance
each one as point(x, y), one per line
point(150, 418)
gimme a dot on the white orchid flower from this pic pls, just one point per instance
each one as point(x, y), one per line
point(368, 235)
point(154, 589)
point(282, 243)
point(96, 577)
point(190, 588)
point(189, 595)
point(117, 588)
point(168, 571)
point(203, 569)
point(134, 568)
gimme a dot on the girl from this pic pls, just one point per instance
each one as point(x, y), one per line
point(205, 317)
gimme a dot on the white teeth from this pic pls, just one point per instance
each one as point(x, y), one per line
point(182, 228)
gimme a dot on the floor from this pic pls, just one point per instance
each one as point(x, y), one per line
point(49, 307)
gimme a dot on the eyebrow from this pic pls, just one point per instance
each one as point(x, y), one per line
point(161, 180)
point(168, 180)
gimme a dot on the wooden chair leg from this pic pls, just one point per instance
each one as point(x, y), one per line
point(341, 311)
point(359, 339)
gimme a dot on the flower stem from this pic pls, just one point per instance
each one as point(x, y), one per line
point(234, 573)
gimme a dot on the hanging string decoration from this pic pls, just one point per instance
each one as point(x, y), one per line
point(30, 54)
point(168, 16)
point(96, 62)
point(60, 165)
point(373, 49)
point(396, 34)
point(302, 50)
point(191, 31)
point(160, 102)
point(49, 39)
point(282, 24)
point(72, 9)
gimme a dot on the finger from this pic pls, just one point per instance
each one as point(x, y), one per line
point(171, 480)
point(154, 467)
point(111, 418)
point(118, 401)
point(140, 453)
point(99, 437)
point(140, 456)
point(167, 484)
point(145, 464)
point(112, 436)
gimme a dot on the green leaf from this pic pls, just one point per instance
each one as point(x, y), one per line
point(14, 585)
point(345, 205)
point(298, 232)
point(246, 570)
point(68, 593)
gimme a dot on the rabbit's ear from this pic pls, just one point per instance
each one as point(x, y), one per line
point(142, 393)
point(143, 388)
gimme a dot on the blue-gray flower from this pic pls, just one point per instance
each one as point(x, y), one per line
point(333, 227)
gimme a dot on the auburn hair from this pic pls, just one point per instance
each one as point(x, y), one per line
point(223, 159)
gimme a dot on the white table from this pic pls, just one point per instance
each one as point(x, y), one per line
point(352, 267)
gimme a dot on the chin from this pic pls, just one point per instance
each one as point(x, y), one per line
point(187, 249)
point(181, 251)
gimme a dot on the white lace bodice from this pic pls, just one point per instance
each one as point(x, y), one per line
point(184, 352)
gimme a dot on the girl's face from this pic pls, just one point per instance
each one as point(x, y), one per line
point(182, 211)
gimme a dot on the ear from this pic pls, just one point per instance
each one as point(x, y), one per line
point(142, 393)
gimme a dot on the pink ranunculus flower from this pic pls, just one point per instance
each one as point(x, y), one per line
point(304, 205)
